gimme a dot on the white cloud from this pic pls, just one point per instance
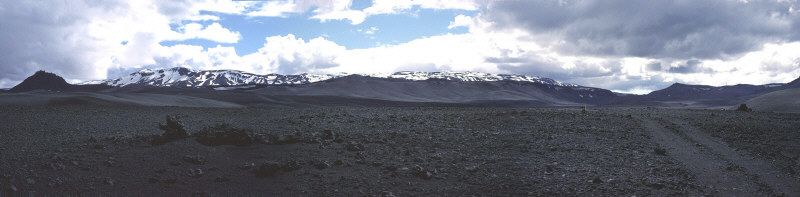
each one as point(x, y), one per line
point(279, 54)
point(82, 39)
point(369, 31)
point(396, 6)
point(341, 9)
point(275, 9)
point(354, 16)
point(214, 32)
point(461, 21)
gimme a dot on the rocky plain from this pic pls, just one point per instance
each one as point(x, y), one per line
point(396, 151)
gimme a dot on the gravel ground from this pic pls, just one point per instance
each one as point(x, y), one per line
point(376, 151)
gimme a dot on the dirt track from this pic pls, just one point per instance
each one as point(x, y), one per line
point(402, 151)
point(714, 163)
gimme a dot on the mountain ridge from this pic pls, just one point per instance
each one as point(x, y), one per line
point(181, 76)
point(404, 86)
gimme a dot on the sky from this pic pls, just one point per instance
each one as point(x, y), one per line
point(628, 46)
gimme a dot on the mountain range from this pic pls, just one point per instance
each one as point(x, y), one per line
point(403, 87)
point(185, 77)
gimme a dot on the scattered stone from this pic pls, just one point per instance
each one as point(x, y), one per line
point(596, 180)
point(169, 181)
point(422, 172)
point(196, 159)
point(222, 179)
point(268, 169)
point(224, 134)
point(55, 182)
point(471, 168)
point(291, 166)
point(287, 139)
point(390, 168)
point(386, 194)
point(660, 151)
point(12, 188)
point(247, 166)
point(92, 140)
point(354, 146)
point(437, 156)
point(653, 183)
point(196, 172)
point(30, 181)
point(322, 165)
point(173, 130)
point(111, 162)
point(109, 181)
point(57, 166)
point(201, 193)
point(328, 134)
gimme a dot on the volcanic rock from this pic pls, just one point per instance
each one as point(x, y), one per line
point(173, 130)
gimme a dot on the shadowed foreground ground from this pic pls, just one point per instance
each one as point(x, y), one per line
point(345, 151)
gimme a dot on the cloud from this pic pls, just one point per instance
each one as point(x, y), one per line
point(691, 66)
point(83, 39)
point(655, 29)
point(214, 32)
point(368, 31)
point(275, 9)
point(36, 36)
point(342, 9)
point(623, 46)
point(288, 54)
point(397, 6)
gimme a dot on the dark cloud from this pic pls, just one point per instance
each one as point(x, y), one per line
point(691, 66)
point(654, 66)
point(680, 29)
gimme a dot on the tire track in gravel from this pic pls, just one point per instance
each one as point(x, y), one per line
point(716, 165)
point(780, 182)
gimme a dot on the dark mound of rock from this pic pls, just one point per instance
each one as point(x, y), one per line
point(224, 134)
point(42, 80)
point(173, 130)
point(744, 108)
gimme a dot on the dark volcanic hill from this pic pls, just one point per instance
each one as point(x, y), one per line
point(42, 80)
point(710, 95)
point(793, 84)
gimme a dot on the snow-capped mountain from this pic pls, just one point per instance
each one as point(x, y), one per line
point(185, 77)
point(468, 76)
